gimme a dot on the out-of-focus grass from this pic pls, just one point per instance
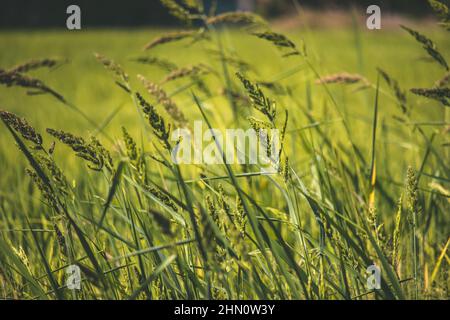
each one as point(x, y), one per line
point(84, 83)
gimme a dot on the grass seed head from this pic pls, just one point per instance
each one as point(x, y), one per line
point(259, 100)
point(54, 172)
point(412, 192)
point(83, 150)
point(399, 93)
point(33, 65)
point(162, 197)
point(112, 66)
point(242, 18)
point(103, 152)
point(21, 126)
point(157, 122)
point(429, 46)
point(164, 223)
point(185, 72)
point(440, 94)
point(46, 192)
point(161, 63)
point(14, 79)
point(130, 145)
point(61, 240)
point(168, 38)
point(444, 81)
point(279, 40)
point(342, 78)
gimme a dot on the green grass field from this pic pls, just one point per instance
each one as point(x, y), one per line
point(147, 228)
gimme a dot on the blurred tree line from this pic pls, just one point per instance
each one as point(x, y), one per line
point(408, 7)
point(120, 13)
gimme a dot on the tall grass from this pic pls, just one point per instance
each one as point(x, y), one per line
point(140, 226)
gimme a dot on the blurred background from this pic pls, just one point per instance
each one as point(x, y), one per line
point(135, 13)
point(333, 32)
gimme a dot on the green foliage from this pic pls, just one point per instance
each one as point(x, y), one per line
point(142, 227)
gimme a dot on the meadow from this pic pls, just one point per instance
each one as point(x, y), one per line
point(363, 178)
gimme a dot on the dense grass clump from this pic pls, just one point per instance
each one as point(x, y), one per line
point(363, 176)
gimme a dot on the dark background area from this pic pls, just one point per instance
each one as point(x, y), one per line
point(120, 13)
